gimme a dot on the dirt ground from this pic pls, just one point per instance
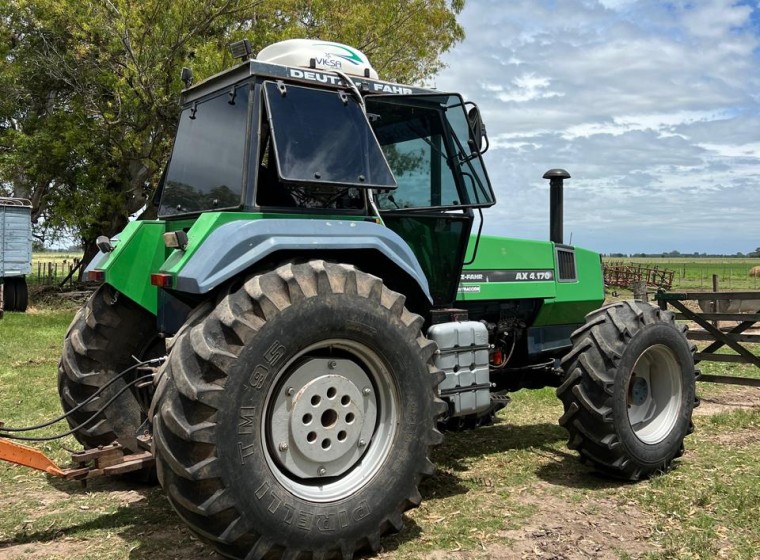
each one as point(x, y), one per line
point(598, 528)
point(564, 526)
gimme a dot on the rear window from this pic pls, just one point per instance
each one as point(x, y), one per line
point(206, 168)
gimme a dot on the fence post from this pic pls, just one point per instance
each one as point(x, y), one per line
point(715, 283)
point(640, 291)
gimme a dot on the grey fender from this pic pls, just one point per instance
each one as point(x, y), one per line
point(234, 247)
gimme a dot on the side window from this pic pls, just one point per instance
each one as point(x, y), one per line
point(412, 136)
point(421, 169)
point(425, 140)
point(206, 168)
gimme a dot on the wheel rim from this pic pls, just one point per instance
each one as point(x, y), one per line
point(654, 394)
point(330, 420)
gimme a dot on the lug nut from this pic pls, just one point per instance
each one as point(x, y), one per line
point(366, 391)
point(322, 471)
point(283, 446)
point(289, 392)
point(362, 443)
point(332, 364)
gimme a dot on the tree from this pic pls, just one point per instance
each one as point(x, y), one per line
point(89, 88)
point(754, 254)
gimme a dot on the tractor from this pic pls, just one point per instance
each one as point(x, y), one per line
point(323, 307)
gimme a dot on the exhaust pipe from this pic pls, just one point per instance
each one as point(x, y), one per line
point(556, 182)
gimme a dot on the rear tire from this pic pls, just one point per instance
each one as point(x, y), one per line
point(101, 341)
point(296, 419)
point(22, 294)
point(629, 390)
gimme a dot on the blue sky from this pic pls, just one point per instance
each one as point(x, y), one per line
point(653, 107)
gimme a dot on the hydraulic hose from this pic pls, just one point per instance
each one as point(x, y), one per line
point(4, 431)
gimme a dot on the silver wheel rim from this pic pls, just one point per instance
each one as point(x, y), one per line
point(654, 394)
point(330, 420)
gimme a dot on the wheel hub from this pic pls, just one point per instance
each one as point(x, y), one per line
point(323, 419)
point(639, 391)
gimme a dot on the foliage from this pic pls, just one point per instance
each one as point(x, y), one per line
point(88, 89)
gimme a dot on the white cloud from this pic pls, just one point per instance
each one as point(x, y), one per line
point(526, 87)
point(652, 106)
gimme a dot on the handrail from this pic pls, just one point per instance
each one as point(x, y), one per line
point(8, 201)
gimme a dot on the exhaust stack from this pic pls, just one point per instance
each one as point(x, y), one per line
point(556, 184)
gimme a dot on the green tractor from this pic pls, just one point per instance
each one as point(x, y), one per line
point(326, 308)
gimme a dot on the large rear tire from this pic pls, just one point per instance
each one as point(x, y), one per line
point(296, 419)
point(101, 341)
point(629, 390)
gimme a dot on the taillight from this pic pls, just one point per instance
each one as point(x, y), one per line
point(162, 280)
point(96, 276)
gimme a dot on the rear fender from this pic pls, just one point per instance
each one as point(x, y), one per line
point(235, 247)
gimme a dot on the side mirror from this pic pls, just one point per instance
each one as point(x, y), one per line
point(477, 130)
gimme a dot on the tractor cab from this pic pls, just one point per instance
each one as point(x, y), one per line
point(304, 130)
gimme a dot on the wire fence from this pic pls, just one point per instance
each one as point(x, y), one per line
point(57, 271)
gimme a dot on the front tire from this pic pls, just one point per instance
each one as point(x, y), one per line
point(629, 390)
point(297, 418)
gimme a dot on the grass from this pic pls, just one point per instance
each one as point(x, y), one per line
point(511, 490)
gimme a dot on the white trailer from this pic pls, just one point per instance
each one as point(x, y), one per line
point(15, 252)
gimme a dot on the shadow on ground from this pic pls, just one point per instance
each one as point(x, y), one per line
point(148, 521)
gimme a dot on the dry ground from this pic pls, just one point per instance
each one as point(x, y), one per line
point(553, 521)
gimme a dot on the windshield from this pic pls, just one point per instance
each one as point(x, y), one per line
point(206, 168)
point(425, 140)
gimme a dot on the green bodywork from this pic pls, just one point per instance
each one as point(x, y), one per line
point(140, 251)
point(518, 269)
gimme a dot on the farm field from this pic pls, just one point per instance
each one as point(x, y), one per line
point(51, 267)
point(512, 490)
point(696, 274)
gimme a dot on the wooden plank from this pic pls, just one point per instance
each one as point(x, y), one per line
point(729, 380)
point(708, 296)
point(729, 358)
point(738, 317)
point(725, 316)
point(701, 335)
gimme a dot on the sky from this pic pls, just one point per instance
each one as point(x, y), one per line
point(652, 107)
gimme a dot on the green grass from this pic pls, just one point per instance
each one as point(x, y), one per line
point(498, 489)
